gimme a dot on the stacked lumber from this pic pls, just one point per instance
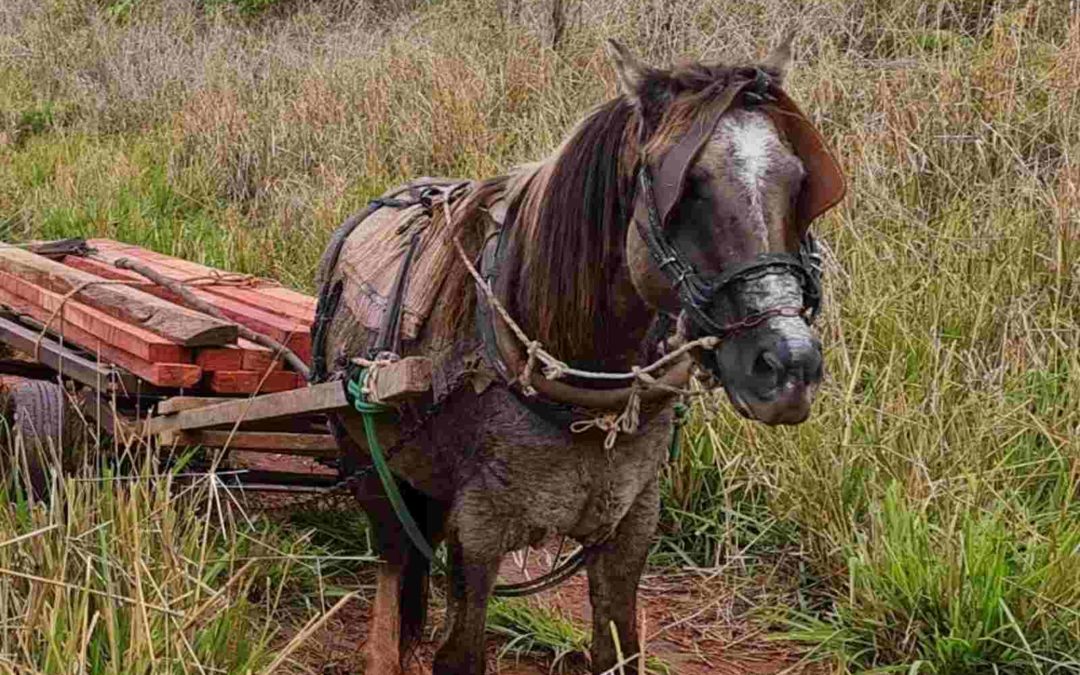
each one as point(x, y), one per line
point(117, 316)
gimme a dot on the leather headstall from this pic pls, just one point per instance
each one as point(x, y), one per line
point(822, 189)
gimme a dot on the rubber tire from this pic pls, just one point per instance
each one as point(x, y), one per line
point(52, 432)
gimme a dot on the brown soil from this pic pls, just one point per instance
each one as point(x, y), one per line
point(692, 621)
point(693, 624)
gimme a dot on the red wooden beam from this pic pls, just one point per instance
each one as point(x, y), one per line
point(263, 295)
point(220, 358)
point(257, 357)
point(178, 375)
point(292, 333)
point(137, 341)
point(252, 381)
point(243, 355)
point(131, 305)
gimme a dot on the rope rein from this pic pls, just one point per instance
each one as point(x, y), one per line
point(554, 368)
point(626, 422)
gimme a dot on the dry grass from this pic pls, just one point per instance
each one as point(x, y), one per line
point(929, 508)
point(143, 573)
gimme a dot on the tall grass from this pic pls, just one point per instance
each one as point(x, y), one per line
point(927, 513)
point(140, 573)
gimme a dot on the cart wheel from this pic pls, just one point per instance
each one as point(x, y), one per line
point(51, 430)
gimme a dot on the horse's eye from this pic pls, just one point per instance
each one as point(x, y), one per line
point(696, 190)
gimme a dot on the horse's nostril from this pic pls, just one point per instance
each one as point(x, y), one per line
point(787, 361)
point(767, 365)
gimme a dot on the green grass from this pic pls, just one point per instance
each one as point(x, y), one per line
point(928, 511)
point(530, 628)
point(138, 577)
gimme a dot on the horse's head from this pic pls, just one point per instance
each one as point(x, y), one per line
point(726, 190)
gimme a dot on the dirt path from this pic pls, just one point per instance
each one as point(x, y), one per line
point(692, 625)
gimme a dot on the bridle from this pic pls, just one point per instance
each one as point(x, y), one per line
point(698, 294)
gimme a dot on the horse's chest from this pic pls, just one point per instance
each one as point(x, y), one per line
point(539, 478)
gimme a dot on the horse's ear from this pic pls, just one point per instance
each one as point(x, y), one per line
point(631, 72)
point(780, 57)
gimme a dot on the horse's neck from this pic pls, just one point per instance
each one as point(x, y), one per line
point(626, 320)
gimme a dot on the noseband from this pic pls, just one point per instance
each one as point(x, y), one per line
point(697, 294)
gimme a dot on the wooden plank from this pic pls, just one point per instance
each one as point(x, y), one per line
point(261, 477)
point(297, 304)
point(303, 300)
point(402, 380)
point(179, 324)
point(252, 381)
point(307, 445)
point(318, 398)
point(175, 404)
point(257, 357)
point(289, 302)
point(213, 359)
point(63, 359)
point(172, 375)
point(263, 294)
point(295, 335)
point(107, 271)
point(44, 304)
point(25, 370)
point(243, 355)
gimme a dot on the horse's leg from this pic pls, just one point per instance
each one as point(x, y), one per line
point(415, 583)
point(401, 586)
point(614, 572)
point(471, 579)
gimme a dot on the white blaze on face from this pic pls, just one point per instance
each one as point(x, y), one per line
point(752, 141)
point(752, 146)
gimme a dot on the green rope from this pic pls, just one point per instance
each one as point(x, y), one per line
point(368, 410)
point(681, 413)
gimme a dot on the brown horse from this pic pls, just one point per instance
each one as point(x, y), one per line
point(688, 195)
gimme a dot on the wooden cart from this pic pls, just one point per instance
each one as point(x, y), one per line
point(92, 341)
point(83, 348)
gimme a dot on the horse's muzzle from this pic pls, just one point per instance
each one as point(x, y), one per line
point(777, 384)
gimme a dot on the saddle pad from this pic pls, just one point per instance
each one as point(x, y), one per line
point(372, 256)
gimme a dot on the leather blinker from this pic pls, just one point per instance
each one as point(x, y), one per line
point(676, 162)
point(824, 187)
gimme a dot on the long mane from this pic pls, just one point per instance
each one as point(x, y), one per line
point(571, 211)
point(570, 229)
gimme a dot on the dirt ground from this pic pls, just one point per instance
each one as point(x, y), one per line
point(691, 623)
point(694, 624)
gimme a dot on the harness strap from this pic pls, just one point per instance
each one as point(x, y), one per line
point(368, 410)
point(659, 198)
point(389, 338)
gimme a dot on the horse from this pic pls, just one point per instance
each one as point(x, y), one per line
point(675, 213)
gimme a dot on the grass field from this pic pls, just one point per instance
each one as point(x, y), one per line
point(925, 520)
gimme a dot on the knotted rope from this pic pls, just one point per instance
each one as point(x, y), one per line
point(553, 368)
point(373, 367)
